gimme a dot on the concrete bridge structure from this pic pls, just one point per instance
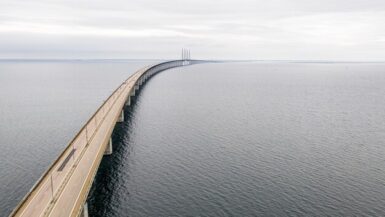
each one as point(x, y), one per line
point(63, 188)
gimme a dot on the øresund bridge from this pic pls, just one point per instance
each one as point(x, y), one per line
point(63, 188)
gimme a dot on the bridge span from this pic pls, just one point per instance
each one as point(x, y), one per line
point(63, 188)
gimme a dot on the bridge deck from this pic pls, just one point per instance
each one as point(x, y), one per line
point(63, 189)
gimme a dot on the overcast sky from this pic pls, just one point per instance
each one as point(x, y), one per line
point(213, 29)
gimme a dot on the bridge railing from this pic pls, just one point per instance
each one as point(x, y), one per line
point(61, 169)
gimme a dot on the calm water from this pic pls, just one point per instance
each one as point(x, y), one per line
point(42, 106)
point(234, 139)
point(250, 140)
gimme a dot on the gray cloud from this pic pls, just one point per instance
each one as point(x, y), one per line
point(227, 29)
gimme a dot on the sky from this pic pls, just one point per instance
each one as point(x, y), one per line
point(346, 30)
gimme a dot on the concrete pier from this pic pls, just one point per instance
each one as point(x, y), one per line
point(121, 117)
point(128, 101)
point(84, 212)
point(132, 93)
point(108, 150)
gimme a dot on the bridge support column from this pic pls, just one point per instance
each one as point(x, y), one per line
point(128, 101)
point(84, 211)
point(132, 93)
point(136, 86)
point(108, 150)
point(121, 117)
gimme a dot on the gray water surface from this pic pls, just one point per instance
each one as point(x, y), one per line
point(231, 139)
point(43, 104)
point(257, 139)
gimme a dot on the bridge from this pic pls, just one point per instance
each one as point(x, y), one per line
point(63, 189)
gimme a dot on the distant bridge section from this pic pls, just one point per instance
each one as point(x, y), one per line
point(64, 187)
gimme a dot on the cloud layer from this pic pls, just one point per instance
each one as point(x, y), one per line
point(243, 29)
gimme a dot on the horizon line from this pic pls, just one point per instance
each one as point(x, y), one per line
point(215, 60)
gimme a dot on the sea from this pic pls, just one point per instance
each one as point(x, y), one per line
point(255, 138)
